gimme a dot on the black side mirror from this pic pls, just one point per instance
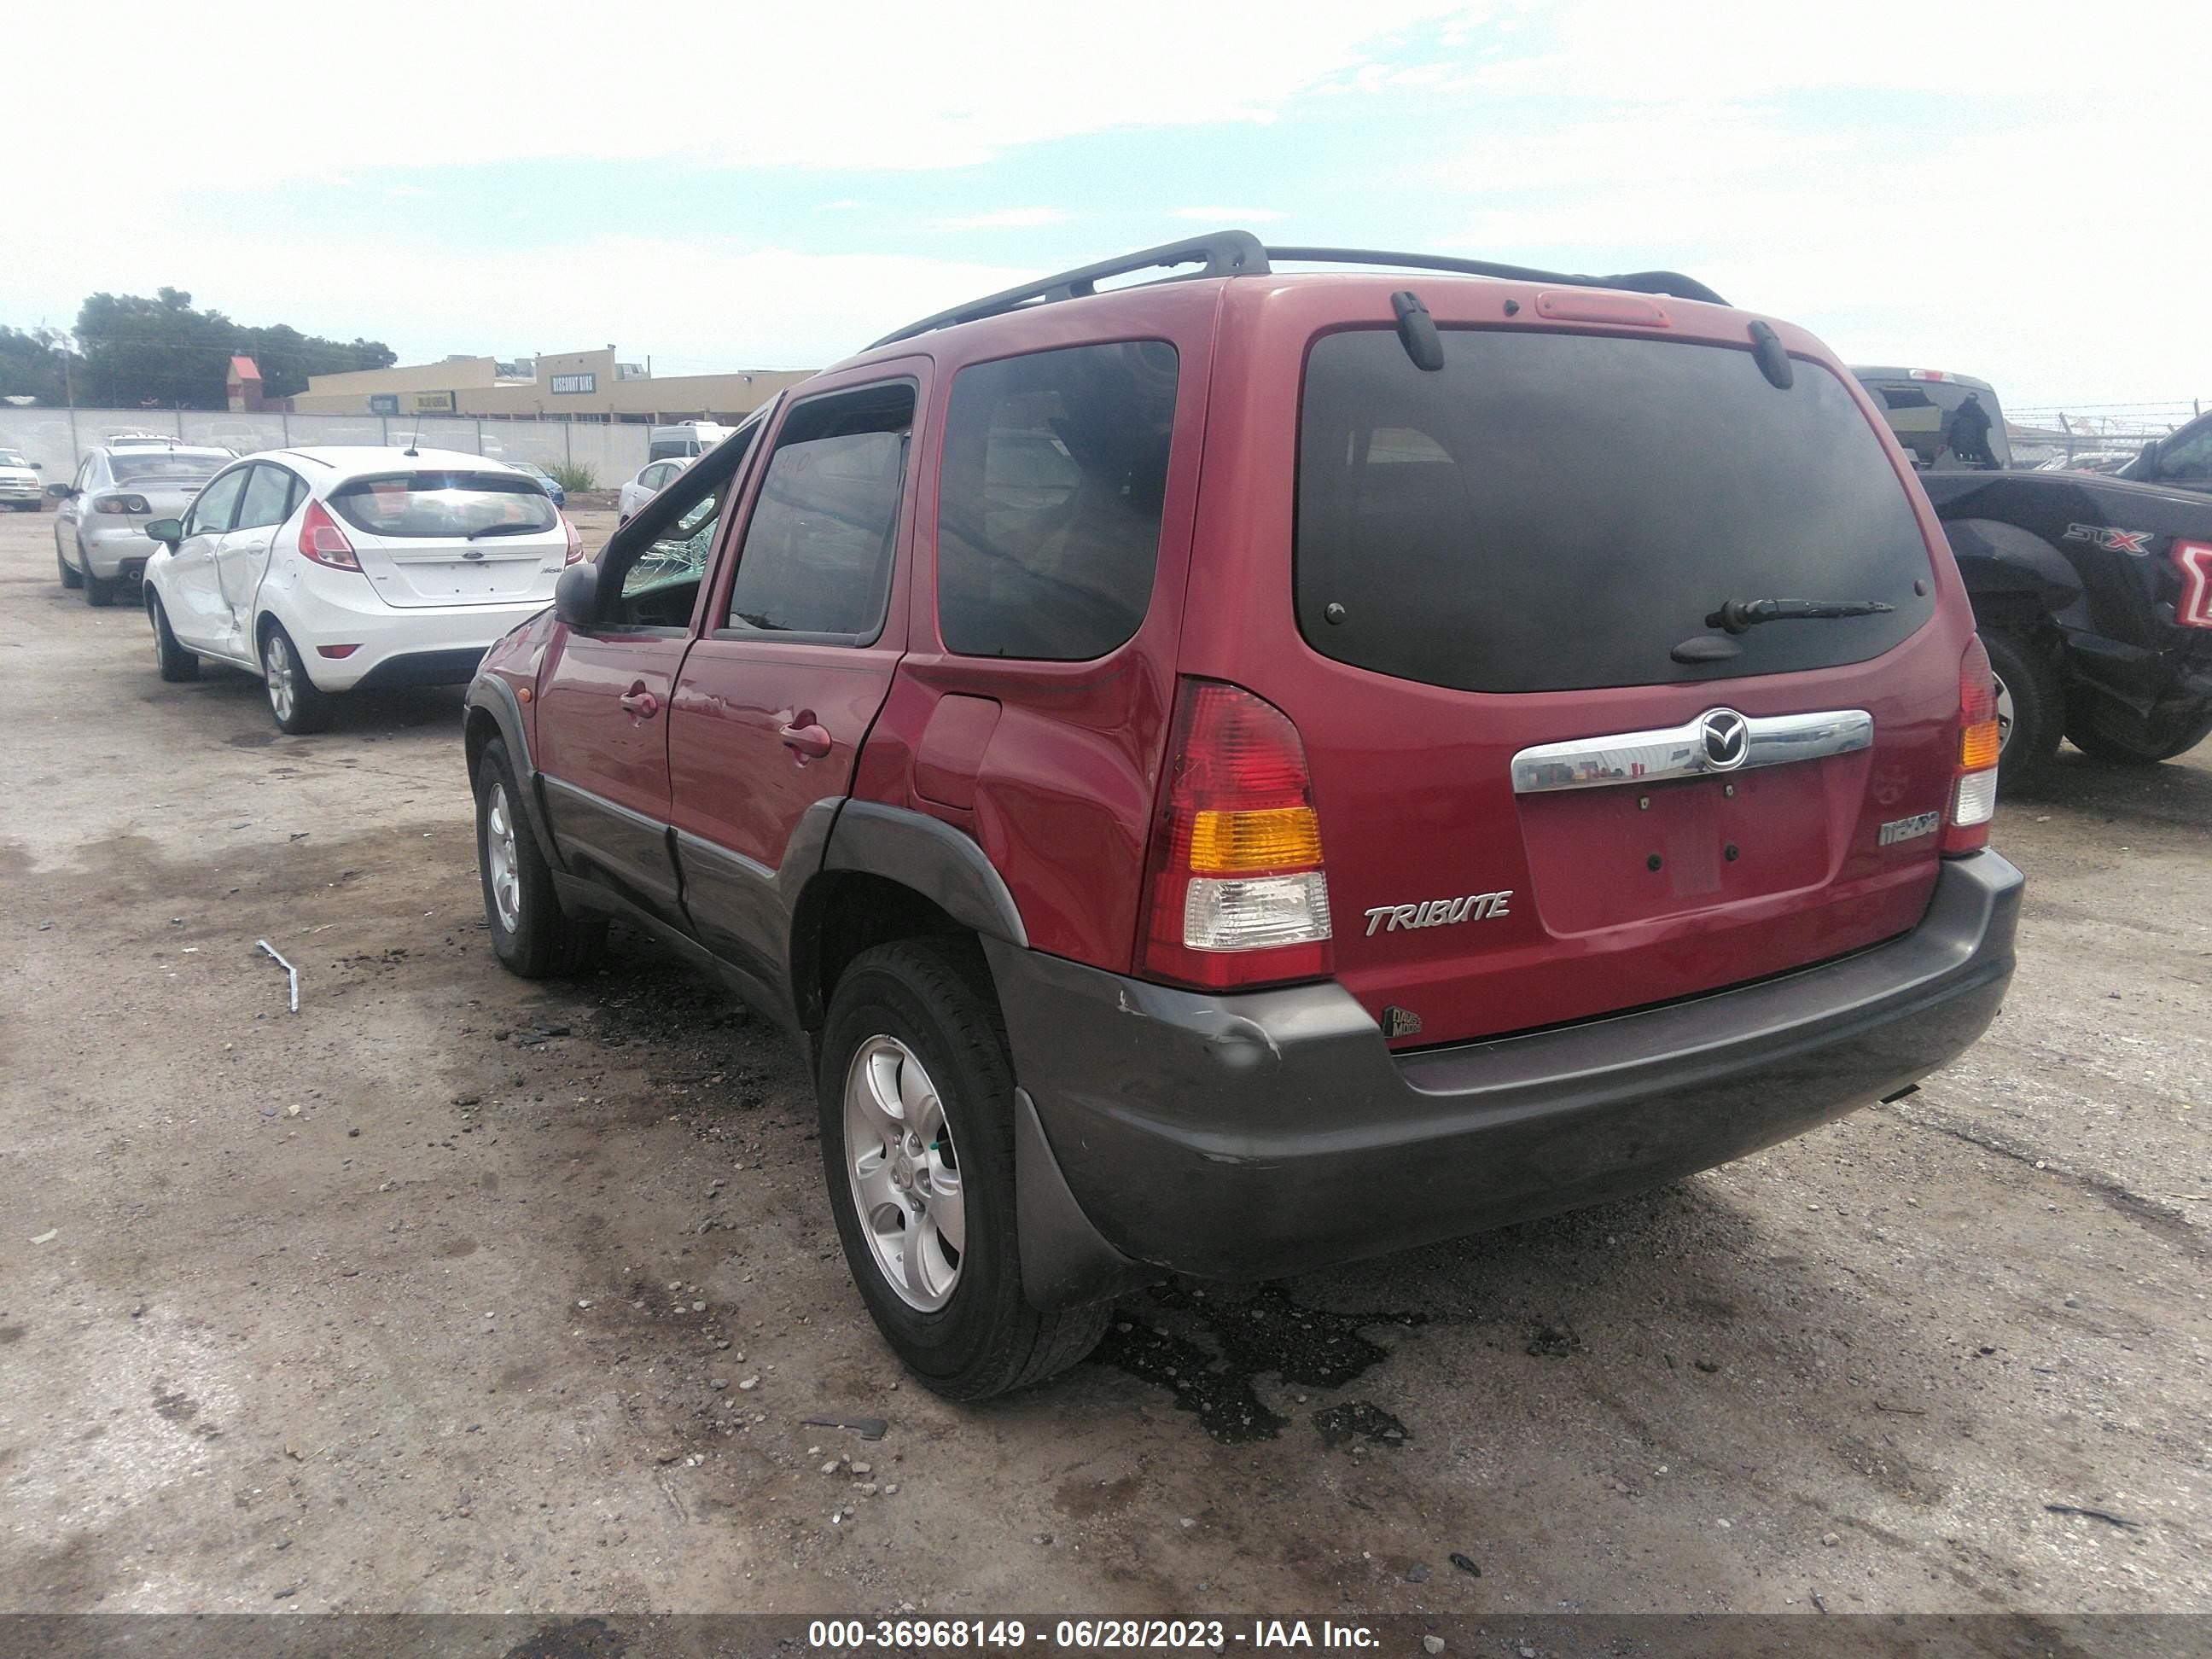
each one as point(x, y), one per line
point(2147, 459)
point(167, 531)
point(577, 597)
point(37, 466)
point(60, 492)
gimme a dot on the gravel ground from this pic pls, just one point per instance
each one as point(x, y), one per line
point(458, 1294)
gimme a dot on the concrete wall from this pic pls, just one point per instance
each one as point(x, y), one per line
point(57, 438)
point(452, 375)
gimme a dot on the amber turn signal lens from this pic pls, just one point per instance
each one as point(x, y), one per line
point(1280, 838)
point(1978, 746)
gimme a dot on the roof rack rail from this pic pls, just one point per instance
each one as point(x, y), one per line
point(1634, 281)
point(1224, 253)
point(1239, 253)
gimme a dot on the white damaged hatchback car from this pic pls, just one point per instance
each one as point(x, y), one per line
point(330, 570)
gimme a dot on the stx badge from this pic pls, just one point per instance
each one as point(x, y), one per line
point(2136, 542)
point(1438, 912)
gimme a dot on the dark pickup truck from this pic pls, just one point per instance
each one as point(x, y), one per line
point(2092, 593)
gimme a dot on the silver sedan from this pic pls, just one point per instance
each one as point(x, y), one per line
point(100, 525)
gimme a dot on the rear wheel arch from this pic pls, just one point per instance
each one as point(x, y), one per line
point(841, 914)
point(889, 873)
point(2012, 571)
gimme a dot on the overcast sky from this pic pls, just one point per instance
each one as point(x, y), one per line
point(2012, 191)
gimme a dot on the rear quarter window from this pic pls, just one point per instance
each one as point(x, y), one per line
point(1555, 512)
point(1050, 500)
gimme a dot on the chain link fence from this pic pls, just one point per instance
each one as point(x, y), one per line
point(2099, 436)
point(57, 438)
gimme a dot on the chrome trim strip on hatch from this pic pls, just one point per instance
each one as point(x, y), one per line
point(1719, 741)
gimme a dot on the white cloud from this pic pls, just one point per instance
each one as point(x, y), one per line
point(1006, 218)
point(359, 84)
point(1953, 252)
point(710, 304)
point(1229, 216)
point(2150, 59)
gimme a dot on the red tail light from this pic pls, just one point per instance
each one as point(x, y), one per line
point(2194, 560)
point(1974, 785)
point(575, 542)
point(321, 540)
point(1235, 891)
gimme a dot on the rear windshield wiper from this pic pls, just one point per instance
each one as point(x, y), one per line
point(1741, 615)
point(509, 530)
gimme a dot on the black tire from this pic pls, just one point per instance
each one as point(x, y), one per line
point(543, 941)
point(2038, 706)
point(72, 576)
point(295, 702)
point(177, 664)
point(2088, 731)
point(933, 997)
point(98, 591)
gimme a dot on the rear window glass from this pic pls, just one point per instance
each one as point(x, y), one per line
point(1049, 509)
point(446, 504)
point(1551, 512)
point(1945, 427)
point(160, 466)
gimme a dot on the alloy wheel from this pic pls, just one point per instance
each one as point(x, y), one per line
point(500, 854)
point(282, 672)
point(905, 1175)
point(2004, 713)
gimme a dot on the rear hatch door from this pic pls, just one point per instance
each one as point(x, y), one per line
point(441, 537)
point(1549, 787)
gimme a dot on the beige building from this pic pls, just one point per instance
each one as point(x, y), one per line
point(576, 385)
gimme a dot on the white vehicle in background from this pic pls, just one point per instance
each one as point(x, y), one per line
point(328, 570)
point(128, 438)
point(687, 441)
point(101, 513)
point(652, 479)
point(19, 481)
point(2095, 460)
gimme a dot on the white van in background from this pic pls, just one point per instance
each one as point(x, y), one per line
point(684, 442)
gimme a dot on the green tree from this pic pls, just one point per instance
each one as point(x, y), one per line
point(163, 353)
point(32, 364)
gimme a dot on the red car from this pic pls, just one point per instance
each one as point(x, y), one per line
point(1255, 769)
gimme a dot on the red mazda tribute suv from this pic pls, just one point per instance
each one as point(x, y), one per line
point(1252, 768)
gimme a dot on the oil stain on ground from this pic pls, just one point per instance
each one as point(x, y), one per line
point(1206, 1349)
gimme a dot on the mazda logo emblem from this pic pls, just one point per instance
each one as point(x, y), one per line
point(1725, 735)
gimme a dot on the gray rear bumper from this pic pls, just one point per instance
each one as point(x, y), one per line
point(1243, 1137)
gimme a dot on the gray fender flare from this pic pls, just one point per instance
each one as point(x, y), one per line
point(490, 695)
point(934, 859)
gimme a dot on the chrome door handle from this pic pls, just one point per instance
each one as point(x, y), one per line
point(643, 704)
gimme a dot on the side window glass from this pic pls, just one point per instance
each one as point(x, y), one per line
point(2188, 457)
point(678, 556)
point(1049, 504)
point(816, 558)
point(217, 505)
point(267, 500)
